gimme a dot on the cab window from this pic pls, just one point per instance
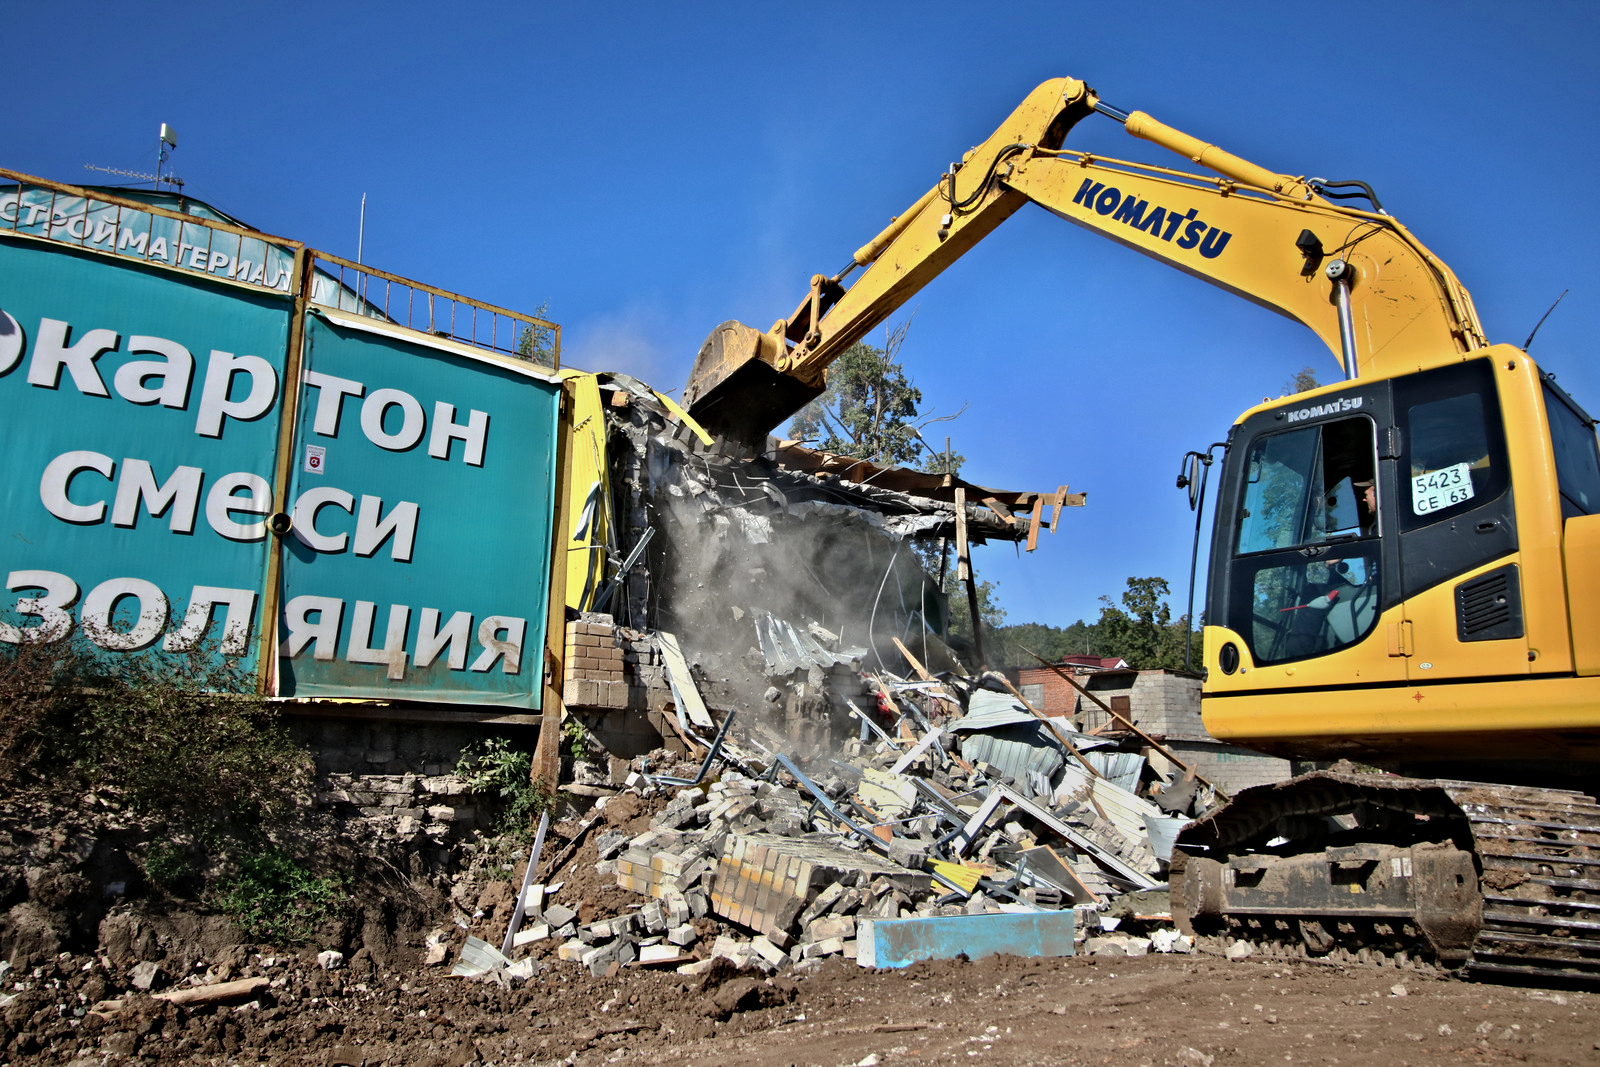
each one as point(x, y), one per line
point(1455, 457)
point(1577, 459)
point(1309, 486)
point(1307, 542)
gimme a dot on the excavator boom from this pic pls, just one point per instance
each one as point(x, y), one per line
point(1270, 238)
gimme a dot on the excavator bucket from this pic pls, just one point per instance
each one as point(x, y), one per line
point(735, 390)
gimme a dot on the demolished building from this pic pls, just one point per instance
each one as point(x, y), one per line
point(771, 573)
point(755, 623)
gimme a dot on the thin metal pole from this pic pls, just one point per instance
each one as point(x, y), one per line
point(1194, 562)
point(361, 235)
point(527, 880)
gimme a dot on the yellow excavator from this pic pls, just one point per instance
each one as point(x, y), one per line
point(1404, 568)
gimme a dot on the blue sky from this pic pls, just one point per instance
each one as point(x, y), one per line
point(650, 170)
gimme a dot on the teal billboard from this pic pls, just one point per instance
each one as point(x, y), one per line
point(141, 422)
point(144, 406)
point(419, 553)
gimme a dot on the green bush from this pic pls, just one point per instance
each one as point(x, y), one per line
point(169, 866)
point(184, 742)
point(493, 767)
point(275, 900)
point(576, 738)
point(180, 737)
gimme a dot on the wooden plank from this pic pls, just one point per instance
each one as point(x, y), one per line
point(1061, 502)
point(916, 664)
point(1033, 523)
point(963, 567)
point(964, 574)
point(682, 682)
point(902, 942)
point(210, 994)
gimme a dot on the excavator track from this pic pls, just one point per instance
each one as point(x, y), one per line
point(1492, 881)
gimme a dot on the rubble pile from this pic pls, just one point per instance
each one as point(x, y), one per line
point(928, 798)
point(753, 607)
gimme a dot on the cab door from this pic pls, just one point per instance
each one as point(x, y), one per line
point(1460, 573)
point(1306, 541)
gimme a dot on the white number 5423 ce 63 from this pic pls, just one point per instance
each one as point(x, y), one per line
point(1435, 490)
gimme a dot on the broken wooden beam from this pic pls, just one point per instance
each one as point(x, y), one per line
point(211, 994)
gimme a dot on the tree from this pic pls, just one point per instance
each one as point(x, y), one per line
point(1303, 379)
point(1143, 634)
point(870, 410)
point(537, 343)
point(1015, 643)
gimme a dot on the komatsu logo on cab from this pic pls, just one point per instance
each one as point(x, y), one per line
point(1157, 221)
point(1332, 407)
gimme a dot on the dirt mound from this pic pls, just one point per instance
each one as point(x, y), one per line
point(1004, 1010)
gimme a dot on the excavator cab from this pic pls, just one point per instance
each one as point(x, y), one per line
point(1399, 628)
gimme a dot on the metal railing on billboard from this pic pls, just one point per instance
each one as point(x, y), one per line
point(365, 290)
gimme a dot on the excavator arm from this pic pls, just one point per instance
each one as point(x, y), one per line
point(1357, 278)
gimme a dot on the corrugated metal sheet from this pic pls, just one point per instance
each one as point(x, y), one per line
point(988, 709)
point(1127, 811)
point(787, 648)
point(1121, 769)
point(1014, 751)
point(999, 731)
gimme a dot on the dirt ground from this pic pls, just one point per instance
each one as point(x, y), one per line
point(1196, 1010)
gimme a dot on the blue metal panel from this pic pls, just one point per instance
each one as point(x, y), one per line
point(419, 561)
point(902, 942)
point(115, 377)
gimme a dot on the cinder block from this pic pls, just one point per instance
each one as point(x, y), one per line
point(840, 926)
point(830, 947)
point(659, 954)
point(764, 948)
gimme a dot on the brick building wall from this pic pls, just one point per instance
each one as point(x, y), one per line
point(1046, 690)
point(1163, 703)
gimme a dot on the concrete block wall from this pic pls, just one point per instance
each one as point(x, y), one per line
point(365, 747)
point(621, 733)
point(393, 783)
point(1231, 767)
point(1163, 703)
point(406, 808)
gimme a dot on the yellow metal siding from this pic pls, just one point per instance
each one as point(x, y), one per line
point(1582, 553)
